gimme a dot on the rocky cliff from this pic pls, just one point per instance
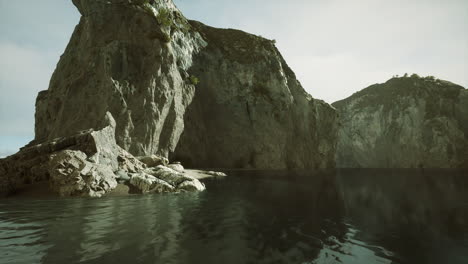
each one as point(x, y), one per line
point(129, 58)
point(249, 110)
point(408, 122)
point(144, 63)
point(136, 76)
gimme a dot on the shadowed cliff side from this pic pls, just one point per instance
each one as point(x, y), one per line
point(250, 111)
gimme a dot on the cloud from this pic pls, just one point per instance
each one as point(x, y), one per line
point(11, 144)
point(33, 34)
point(24, 71)
point(338, 47)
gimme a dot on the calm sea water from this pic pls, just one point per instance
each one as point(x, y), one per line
point(348, 216)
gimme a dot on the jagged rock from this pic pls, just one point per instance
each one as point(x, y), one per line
point(176, 166)
point(146, 183)
point(153, 160)
point(191, 186)
point(84, 165)
point(169, 175)
point(408, 122)
point(78, 165)
point(175, 178)
point(71, 174)
point(159, 179)
point(127, 162)
point(144, 62)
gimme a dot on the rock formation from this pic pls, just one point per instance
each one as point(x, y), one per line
point(88, 163)
point(250, 111)
point(408, 122)
point(121, 96)
point(129, 58)
point(144, 63)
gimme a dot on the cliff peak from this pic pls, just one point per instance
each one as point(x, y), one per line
point(406, 122)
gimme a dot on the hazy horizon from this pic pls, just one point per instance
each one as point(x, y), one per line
point(335, 47)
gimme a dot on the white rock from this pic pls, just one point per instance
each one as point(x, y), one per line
point(150, 184)
point(72, 175)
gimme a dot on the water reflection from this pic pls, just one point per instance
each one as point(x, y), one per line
point(421, 215)
point(348, 216)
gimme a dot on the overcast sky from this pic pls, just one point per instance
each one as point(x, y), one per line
point(336, 47)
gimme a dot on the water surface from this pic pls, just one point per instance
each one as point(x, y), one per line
point(347, 216)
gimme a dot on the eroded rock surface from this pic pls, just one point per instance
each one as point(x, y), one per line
point(146, 183)
point(78, 165)
point(129, 58)
point(408, 122)
point(145, 63)
point(164, 179)
point(71, 174)
point(88, 164)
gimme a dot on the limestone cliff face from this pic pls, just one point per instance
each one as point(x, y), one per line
point(143, 62)
point(407, 122)
point(129, 58)
point(249, 110)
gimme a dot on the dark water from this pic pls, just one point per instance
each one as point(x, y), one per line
point(353, 216)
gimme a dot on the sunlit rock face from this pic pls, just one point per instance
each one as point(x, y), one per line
point(82, 164)
point(129, 58)
point(88, 164)
point(143, 62)
point(408, 122)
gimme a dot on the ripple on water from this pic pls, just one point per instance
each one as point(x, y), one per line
point(250, 217)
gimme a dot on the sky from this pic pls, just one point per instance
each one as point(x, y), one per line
point(335, 47)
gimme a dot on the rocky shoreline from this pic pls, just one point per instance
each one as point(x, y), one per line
point(91, 164)
point(41, 190)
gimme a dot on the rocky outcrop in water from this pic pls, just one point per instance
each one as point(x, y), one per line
point(88, 163)
point(408, 122)
point(145, 63)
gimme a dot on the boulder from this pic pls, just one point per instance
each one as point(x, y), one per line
point(153, 160)
point(71, 174)
point(146, 183)
point(88, 163)
point(79, 165)
point(191, 186)
point(180, 181)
